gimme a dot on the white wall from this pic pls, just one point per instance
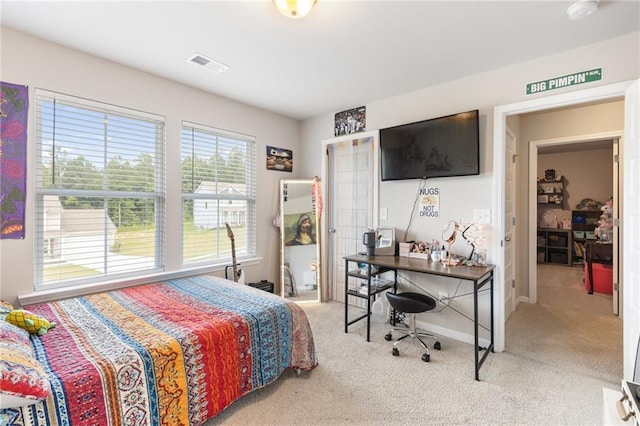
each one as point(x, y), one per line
point(620, 61)
point(588, 174)
point(37, 63)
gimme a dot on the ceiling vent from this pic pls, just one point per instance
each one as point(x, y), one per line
point(208, 63)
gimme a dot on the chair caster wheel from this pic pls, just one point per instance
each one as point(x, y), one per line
point(437, 346)
point(387, 337)
point(426, 357)
point(395, 352)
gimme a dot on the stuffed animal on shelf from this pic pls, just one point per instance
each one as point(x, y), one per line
point(604, 230)
point(29, 321)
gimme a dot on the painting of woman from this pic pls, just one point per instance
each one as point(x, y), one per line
point(304, 232)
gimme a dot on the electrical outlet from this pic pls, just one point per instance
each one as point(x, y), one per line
point(443, 295)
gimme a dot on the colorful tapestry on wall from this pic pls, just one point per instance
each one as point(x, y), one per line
point(14, 104)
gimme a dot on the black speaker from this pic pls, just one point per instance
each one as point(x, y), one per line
point(263, 285)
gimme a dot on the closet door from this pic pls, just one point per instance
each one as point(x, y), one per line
point(351, 199)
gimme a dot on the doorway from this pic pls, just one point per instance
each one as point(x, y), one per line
point(596, 94)
point(590, 175)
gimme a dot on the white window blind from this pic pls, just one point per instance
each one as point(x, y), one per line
point(218, 187)
point(99, 191)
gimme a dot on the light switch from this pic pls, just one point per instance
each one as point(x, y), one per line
point(383, 213)
point(481, 216)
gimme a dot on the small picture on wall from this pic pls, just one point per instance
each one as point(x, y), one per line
point(279, 159)
point(350, 121)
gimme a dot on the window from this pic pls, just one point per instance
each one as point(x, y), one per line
point(99, 191)
point(218, 188)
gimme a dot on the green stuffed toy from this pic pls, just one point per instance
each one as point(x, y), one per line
point(29, 321)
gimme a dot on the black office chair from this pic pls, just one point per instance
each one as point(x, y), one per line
point(412, 304)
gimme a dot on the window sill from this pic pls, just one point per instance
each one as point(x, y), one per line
point(81, 290)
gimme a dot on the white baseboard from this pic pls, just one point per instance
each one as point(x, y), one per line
point(454, 334)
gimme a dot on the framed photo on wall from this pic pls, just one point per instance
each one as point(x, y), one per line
point(350, 121)
point(279, 159)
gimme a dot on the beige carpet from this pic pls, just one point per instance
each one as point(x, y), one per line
point(560, 354)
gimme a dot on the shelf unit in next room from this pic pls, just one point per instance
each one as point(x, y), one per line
point(551, 193)
point(554, 246)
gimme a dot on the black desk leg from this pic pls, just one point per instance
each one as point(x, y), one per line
point(346, 296)
point(480, 360)
point(491, 296)
point(475, 329)
point(369, 302)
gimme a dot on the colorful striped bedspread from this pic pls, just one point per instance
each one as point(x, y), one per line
point(170, 353)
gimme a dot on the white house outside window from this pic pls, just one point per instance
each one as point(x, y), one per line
point(99, 191)
point(218, 187)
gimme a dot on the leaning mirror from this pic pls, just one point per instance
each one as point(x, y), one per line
point(300, 248)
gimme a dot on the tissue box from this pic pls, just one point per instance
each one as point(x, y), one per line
point(405, 249)
point(419, 255)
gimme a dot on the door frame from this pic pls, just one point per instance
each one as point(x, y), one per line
point(500, 113)
point(532, 185)
point(616, 215)
point(510, 303)
point(630, 295)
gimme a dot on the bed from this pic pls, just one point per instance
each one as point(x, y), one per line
point(172, 352)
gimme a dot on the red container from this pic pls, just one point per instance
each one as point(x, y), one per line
point(602, 278)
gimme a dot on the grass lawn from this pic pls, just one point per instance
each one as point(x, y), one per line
point(66, 271)
point(139, 241)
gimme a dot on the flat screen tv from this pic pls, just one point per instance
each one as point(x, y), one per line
point(439, 147)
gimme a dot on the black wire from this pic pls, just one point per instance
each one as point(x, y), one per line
point(447, 305)
point(422, 290)
point(421, 185)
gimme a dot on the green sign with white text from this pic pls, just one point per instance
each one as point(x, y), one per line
point(565, 81)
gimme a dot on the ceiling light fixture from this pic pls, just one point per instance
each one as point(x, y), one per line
point(582, 8)
point(294, 8)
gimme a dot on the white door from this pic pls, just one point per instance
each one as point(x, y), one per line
point(509, 223)
point(631, 225)
point(351, 201)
